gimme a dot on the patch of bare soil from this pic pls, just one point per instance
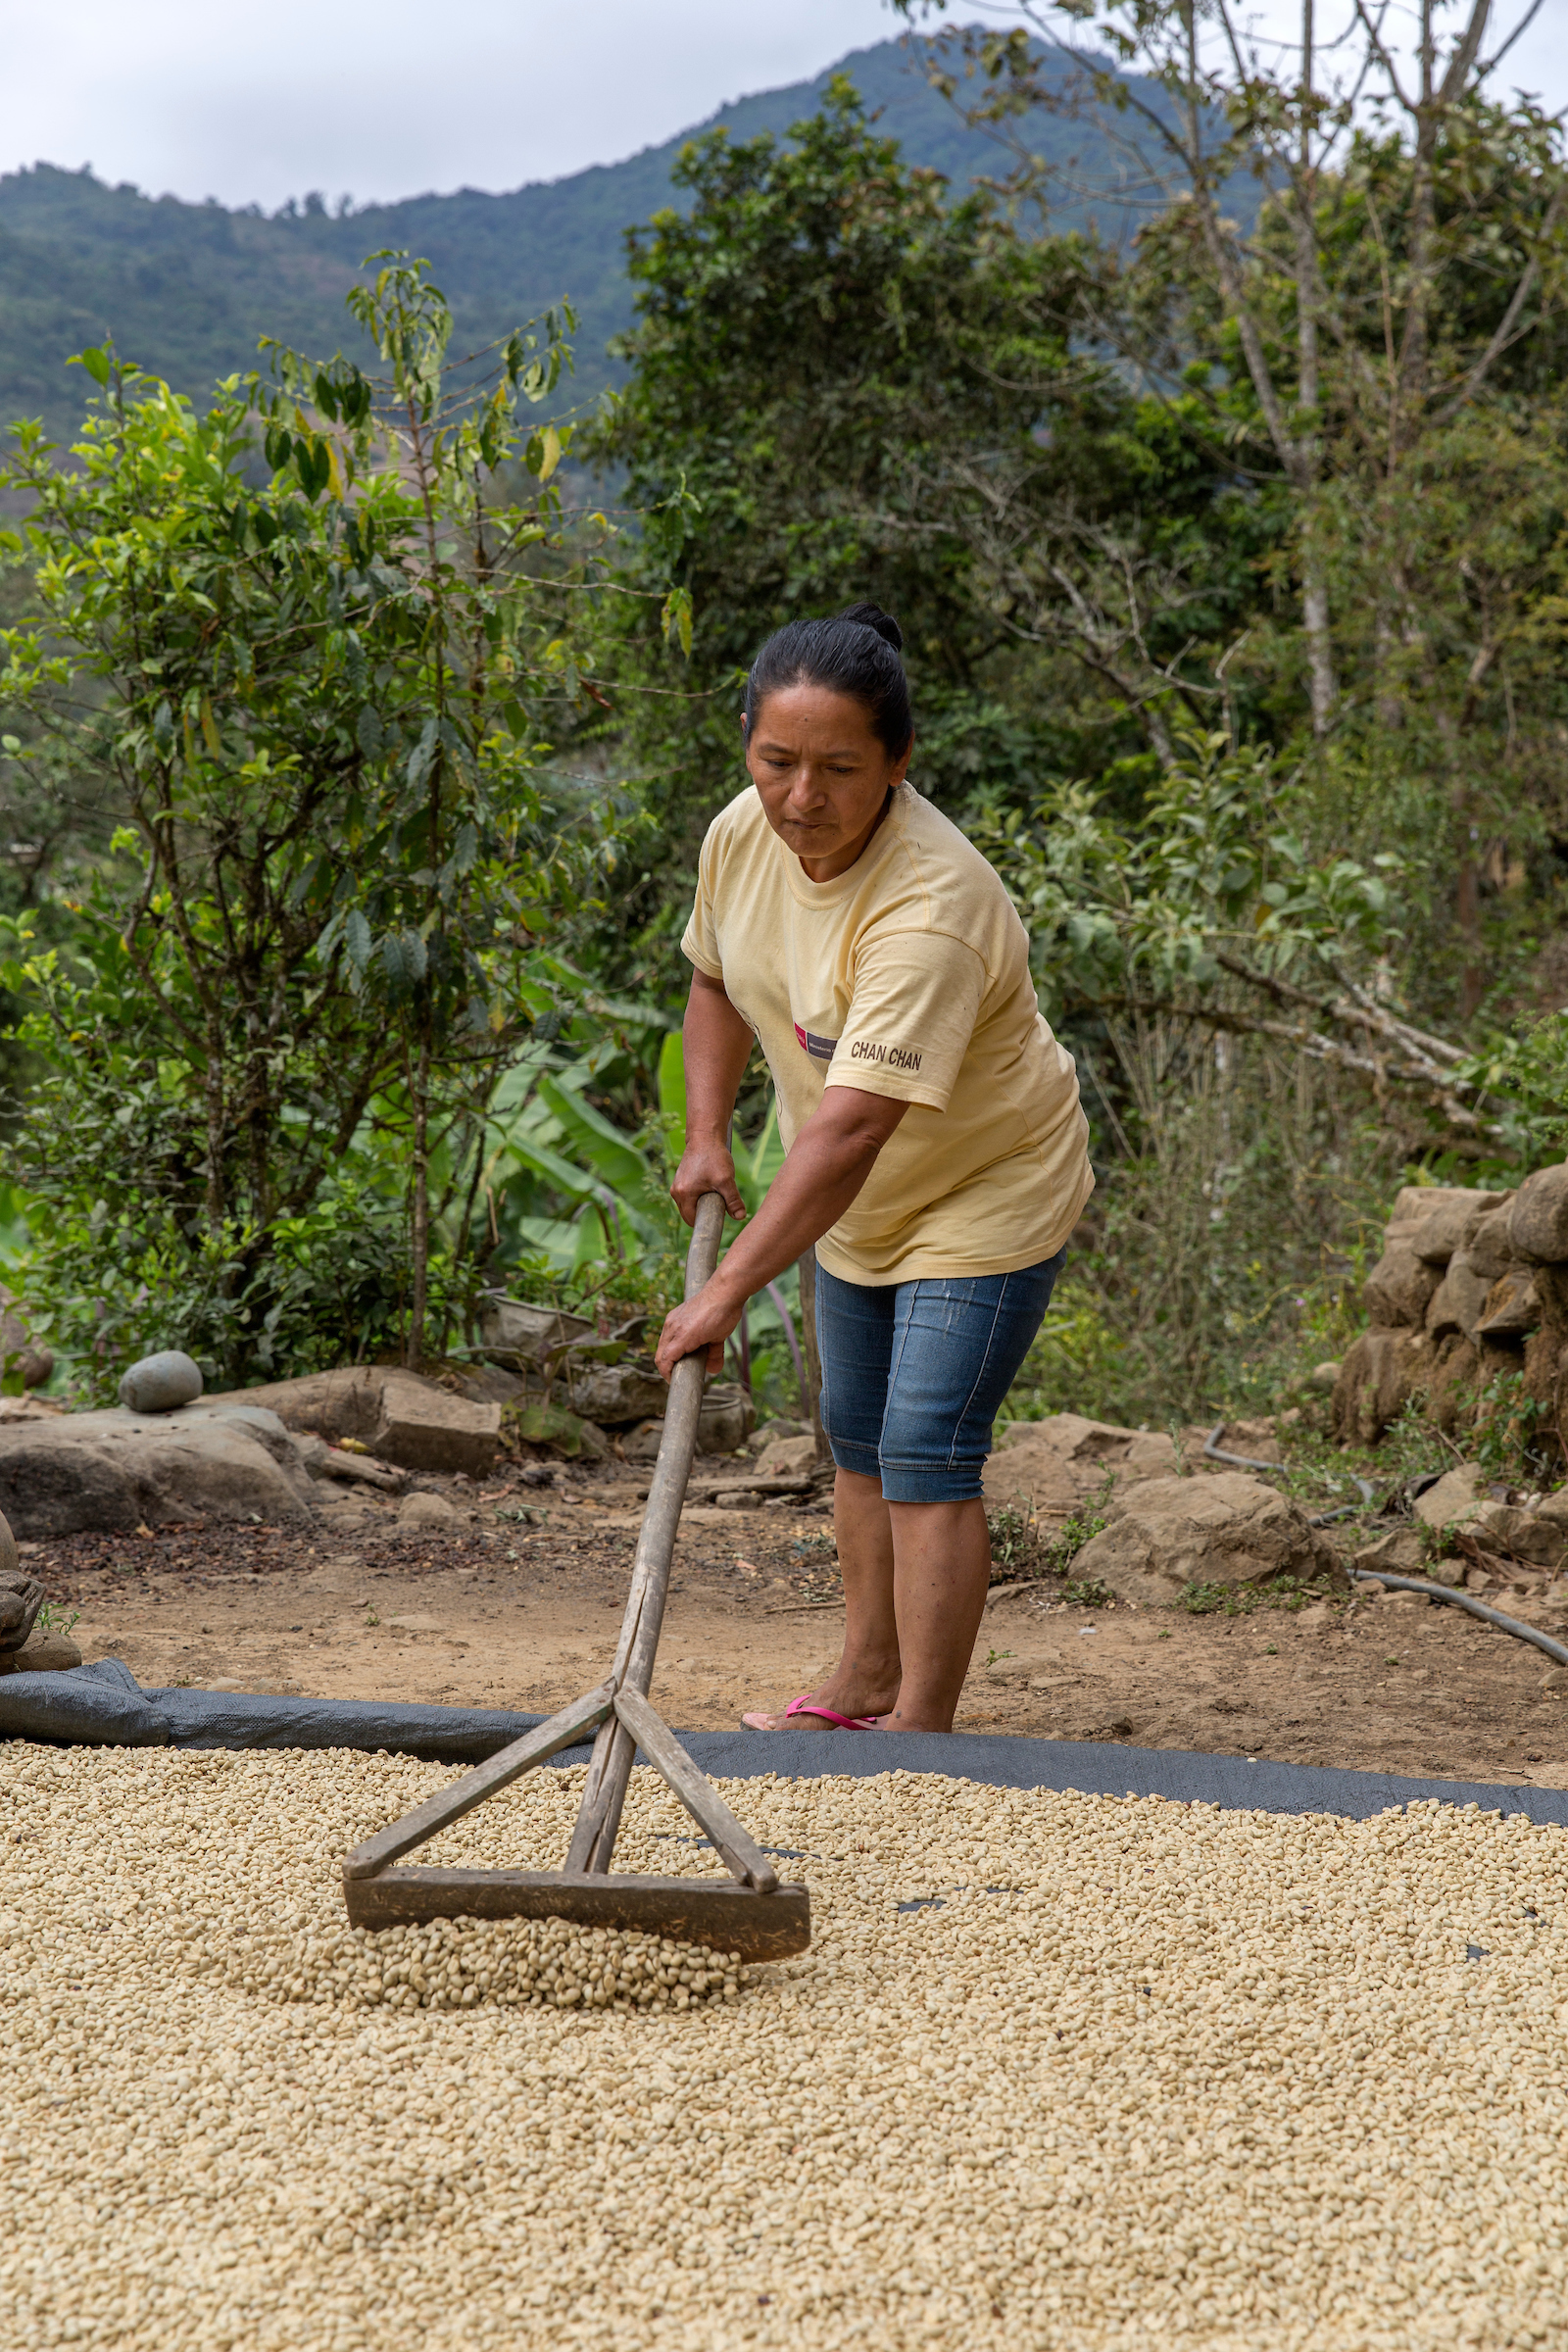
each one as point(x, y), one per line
point(496, 1609)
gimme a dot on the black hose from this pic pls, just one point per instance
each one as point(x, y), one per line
point(1248, 1462)
point(1466, 1602)
point(1402, 1583)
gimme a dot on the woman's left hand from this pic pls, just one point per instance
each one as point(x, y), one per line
point(705, 1321)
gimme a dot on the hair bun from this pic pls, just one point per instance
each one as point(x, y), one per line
point(872, 617)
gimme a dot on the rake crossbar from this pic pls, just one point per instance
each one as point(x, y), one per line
point(508, 1764)
point(711, 1911)
point(754, 1915)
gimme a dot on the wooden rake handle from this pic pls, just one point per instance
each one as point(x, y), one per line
point(593, 1841)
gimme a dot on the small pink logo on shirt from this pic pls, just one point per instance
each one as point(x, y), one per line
point(820, 1048)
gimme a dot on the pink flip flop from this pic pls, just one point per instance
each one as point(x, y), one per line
point(805, 1704)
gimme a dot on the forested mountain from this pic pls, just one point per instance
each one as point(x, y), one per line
point(186, 289)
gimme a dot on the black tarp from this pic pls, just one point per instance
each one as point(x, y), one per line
point(102, 1705)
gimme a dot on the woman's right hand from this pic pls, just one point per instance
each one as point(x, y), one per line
point(705, 1166)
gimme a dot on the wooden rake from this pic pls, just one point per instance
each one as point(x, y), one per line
point(753, 1914)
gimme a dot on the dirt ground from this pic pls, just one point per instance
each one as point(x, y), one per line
point(495, 1610)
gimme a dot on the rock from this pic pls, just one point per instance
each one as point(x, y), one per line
point(724, 1425)
point(1459, 1302)
point(160, 1384)
point(1449, 1226)
point(10, 1563)
point(1400, 1287)
point(1070, 1437)
point(1488, 1246)
point(1510, 1308)
point(1378, 1375)
point(1065, 1458)
point(1451, 1389)
point(545, 1424)
point(785, 1457)
point(427, 1511)
point(488, 1383)
point(1455, 1499)
point(524, 1336)
point(21, 1354)
point(1401, 1552)
point(1527, 1534)
point(423, 1426)
point(361, 1470)
point(401, 1416)
point(1414, 1204)
point(118, 1469)
point(255, 1421)
point(41, 1654)
point(1324, 1375)
point(767, 1433)
point(334, 1405)
point(1537, 1221)
point(21, 1599)
point(613, 1394)
point(1229, 1529)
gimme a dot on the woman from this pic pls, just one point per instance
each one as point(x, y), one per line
point(937, 1151)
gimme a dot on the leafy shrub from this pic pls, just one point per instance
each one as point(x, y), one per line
point(334, 1288)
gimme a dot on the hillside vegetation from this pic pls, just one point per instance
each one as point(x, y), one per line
point(188, 289)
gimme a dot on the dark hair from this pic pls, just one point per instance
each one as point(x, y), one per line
point(856, 652)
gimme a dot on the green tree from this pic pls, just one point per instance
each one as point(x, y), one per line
point(311, 647)
point(831, 356)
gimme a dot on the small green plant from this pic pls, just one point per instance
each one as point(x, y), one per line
point(1240, 1600)
point(1439, 1542)
point(54, 1620)
point(1087, 1593)
point(1075, 1532)
point(993, 1658)
point(1216, 1600)
point(1016, 1546)
point(1507, 1427)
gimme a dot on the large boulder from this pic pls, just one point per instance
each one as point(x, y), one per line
point(399, 1416)
point(122, 1470)
point(1537, 1221)
point(1232, 1529)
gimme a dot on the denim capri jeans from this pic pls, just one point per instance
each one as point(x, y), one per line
point(913, 1372)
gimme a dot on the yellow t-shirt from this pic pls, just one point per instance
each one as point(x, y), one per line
point(909, 976)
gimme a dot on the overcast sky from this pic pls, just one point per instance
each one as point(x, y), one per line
point(385, 98)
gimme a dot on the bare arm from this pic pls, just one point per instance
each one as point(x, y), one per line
point(827, 1166)
point(718, 1047)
